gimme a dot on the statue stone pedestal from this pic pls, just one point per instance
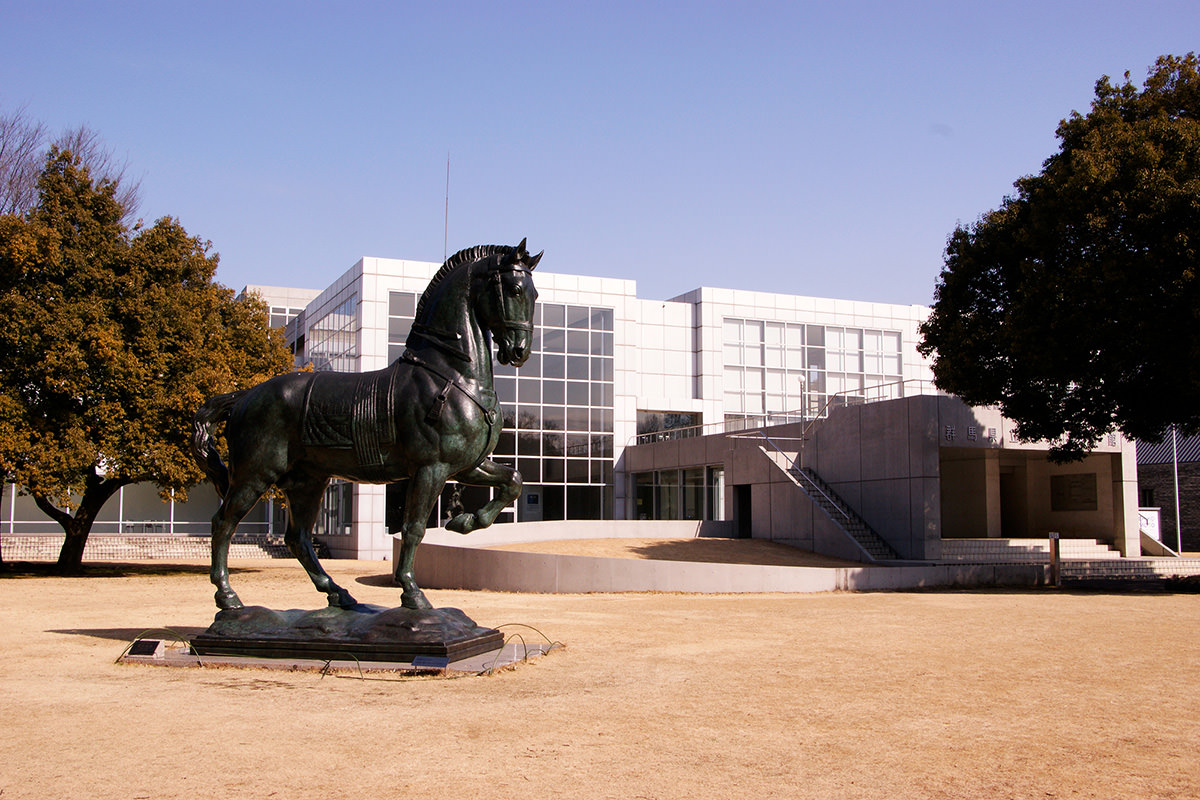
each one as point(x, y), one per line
point(363, 632)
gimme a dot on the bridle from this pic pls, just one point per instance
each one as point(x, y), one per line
point(493, 274)
point(494, 277)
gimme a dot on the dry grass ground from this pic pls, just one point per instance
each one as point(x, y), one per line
point(915, 695)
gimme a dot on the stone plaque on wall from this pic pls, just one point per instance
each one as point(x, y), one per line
point(1073, 492)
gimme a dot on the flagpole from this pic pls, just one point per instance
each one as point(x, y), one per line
point(1178, 520)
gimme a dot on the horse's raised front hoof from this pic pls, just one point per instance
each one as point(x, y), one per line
point(227, 600)
point(463, 523)
point(340, 598)
point(415, 599)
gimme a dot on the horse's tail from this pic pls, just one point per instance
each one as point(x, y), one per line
point(215, 410)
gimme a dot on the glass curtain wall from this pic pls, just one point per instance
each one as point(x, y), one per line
point(333, 339)
point(332, 346)
point(557, 411)
point(560, 403)
point(777, 372)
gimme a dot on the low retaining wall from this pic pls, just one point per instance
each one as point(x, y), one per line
point(449, 560)
point(524, 532)
point(441, 566)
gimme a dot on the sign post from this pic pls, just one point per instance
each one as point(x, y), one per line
point(1055, 559)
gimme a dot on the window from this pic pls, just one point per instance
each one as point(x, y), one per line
point(694, 493)
point(780, 372)
point(402, 306)
point(715, 478)
point(333, 339)
point(337, 511)
point(693, 505)
point(657, 424)
point(282, 315)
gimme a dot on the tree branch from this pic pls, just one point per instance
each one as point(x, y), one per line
point(52, 511)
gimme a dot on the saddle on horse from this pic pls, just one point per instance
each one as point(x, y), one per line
point(346, 410)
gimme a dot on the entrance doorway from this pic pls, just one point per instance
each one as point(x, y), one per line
point(741, 511)
point(1014, 512)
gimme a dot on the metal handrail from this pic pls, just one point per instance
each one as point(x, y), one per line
point(759, 433)
point(794, 468)
point(708, 428)
point(799, 471)
point(863, 396)
point(848, 395)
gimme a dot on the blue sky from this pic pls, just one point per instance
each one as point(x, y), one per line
point(785, 147)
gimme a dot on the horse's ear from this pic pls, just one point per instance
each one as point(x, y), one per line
point(532, 261)
point(520, 251)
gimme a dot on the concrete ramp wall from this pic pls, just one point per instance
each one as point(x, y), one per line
point(441, 566)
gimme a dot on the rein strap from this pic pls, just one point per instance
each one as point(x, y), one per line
point(435, 411)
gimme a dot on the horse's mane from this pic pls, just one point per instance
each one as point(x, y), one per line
point(476, 253)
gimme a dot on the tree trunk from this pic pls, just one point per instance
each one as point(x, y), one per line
point(70, 557)
point(77, 527)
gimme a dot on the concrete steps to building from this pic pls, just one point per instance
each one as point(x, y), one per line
point(1130, 569)
point(1018, 551)
point(1082, 559)
point(139, 547)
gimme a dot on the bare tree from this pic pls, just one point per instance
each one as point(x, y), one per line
point(22, 151)
point(23, 148)
point(102, 165)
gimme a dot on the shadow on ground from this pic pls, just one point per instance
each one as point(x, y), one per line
point(130, 634)
point(48, 569)
point(736, 551)
point(376, 580)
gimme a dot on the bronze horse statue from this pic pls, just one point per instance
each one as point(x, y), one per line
point(430, 417)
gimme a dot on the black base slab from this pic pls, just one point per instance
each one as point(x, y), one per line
point(364, 632)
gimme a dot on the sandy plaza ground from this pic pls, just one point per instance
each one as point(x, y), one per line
point(968, 694)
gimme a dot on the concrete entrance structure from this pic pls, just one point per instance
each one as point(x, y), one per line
point(916, 471)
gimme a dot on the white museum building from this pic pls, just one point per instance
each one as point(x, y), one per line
point(718, 405)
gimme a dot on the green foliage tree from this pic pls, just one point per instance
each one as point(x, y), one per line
point(1075, 306)
point(112, 338)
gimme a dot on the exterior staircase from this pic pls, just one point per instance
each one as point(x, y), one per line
point(843, 515)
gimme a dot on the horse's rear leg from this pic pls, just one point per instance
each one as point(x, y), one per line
point(423, 490)
point(234, 506)
point(304, 505)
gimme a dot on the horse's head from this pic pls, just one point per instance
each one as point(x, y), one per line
point(506, 298)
